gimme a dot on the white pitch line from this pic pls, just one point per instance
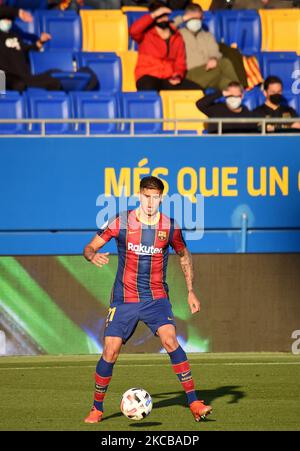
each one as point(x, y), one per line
point(145, 365)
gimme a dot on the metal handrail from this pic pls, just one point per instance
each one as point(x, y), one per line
point(219, 121)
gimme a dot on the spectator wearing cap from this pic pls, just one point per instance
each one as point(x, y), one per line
point(161, 60)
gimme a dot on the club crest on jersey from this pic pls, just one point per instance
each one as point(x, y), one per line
point(162, 235)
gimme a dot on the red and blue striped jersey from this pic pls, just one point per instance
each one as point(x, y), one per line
point(143, 252)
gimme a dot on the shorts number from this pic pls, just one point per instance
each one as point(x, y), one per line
point(111, 314)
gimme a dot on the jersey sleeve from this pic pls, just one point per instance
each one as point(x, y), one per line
point(177, 241)
point(112, 230)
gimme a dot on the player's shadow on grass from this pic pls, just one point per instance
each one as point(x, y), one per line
point(179, 398)
point(209, 396)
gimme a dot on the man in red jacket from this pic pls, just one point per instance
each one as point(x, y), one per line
point(161, 53)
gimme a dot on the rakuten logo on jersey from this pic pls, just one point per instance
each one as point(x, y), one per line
point(141, 249)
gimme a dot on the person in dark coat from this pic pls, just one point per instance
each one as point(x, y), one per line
point(14, 54)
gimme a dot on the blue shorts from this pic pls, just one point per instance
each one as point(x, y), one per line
point(123, 318)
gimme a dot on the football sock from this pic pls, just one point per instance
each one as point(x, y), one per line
point(102, 379)
point(182, 368)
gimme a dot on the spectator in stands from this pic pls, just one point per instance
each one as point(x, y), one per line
point(161, 53)
point(275, 106)
point(13, 55)
point(205, 63)
point(231, 108)
point(7, 12)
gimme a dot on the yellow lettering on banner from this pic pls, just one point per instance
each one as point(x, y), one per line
point(114, 186)
point(214, 191)
point(188, 192)
point(228, 182)
point(282, 181)
point(139, 173)
point(262, 190)
point(157, 172)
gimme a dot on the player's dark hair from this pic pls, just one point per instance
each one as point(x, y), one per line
point(152, 183)
point(271, 80)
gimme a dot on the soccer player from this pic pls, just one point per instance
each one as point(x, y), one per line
point(140, 291)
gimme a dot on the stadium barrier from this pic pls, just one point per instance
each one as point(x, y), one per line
point(261, 122)
point(244, 190)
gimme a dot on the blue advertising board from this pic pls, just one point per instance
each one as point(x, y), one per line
point(52, 189)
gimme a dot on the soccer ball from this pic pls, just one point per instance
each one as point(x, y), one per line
point(136, 404)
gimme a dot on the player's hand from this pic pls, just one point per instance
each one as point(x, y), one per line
point(175, 81)
point(25, 16)
point(45, 37)
point(296, 125)
point(193, 302)
point(212, 64)
point(270, 128)
point(190, 15)
point(160, 12)
point(226, 93)
point(100, 259)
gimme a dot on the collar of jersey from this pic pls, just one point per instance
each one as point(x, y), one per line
point(147, 222)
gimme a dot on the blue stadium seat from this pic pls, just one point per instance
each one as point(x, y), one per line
point(64, 27)
point(211, 23)
point(252, 98)
point(241, 27)
point(42, 61)
point(142, 105)
point(12, 107)
point(49, 105)
point(132, 16)
point(107, 67)
point(28, 4)
point(281, 64)
point(95, 105)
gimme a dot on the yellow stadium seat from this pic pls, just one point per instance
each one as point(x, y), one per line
point(280, 30)
point(134, 8)
point(129, 60)
point(205, 4)
point(104, 31)
point(182, 105)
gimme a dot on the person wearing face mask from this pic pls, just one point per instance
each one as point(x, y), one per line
point(14, 55)
point(161, 63)
point(205, 64)
point(211, 106)
point(275, 106)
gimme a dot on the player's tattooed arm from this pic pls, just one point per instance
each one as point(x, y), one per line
point(90, 252)
point(188, 271)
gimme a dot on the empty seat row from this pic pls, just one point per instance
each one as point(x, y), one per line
point(107, 30)
point(116, 73)
point(39, 104)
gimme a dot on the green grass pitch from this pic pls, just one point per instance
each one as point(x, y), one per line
point(247, 392)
